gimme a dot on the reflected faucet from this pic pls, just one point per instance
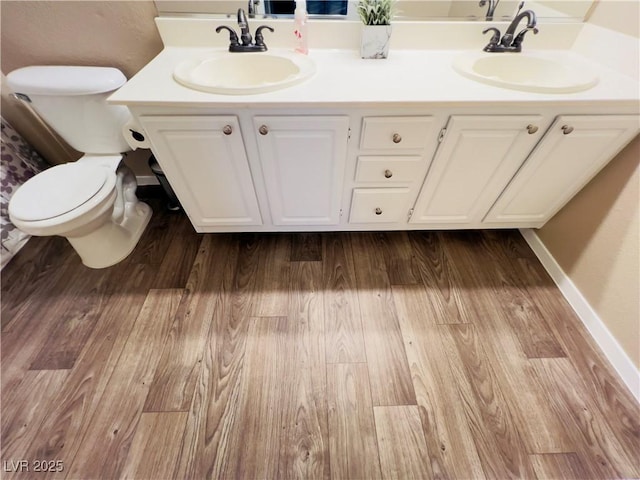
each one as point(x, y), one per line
point(492, 7)
point(511, 42)
point(251, 8)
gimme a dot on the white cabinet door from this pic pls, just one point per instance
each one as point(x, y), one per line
point(477, 158)
point(303, 164)
point(205, 162)
point(574, 149)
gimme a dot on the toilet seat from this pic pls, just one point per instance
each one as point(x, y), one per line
point(57, 191)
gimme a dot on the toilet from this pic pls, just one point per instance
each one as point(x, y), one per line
point(91, 202)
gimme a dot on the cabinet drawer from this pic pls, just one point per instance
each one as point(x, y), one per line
point(395, 133)
point(379, 205)
point(388, 169)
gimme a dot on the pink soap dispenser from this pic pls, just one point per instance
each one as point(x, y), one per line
point(300, 19)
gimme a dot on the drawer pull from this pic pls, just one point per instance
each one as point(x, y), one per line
point(388, 174)
point(378, 211)
point(263, 130)
point(227, 130)
point(567, 129)
point(397, 138)
point(531, 129)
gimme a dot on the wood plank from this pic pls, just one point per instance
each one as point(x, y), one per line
point(344, 338)
point(272, 287)
point(306, 247)
point(256, 446)
point(450, 444)
point(23, 409)
point(490, 414)
point(305, 417)
point(552, 466)
point(403, 453)
point(155, 446)
point(606, 456)
point(177, 373)
point(107, 440)
point(399, 258)
point(205, 445)
point(70, 414)
point(388, 369)
point(353, 445)
point(438, 278)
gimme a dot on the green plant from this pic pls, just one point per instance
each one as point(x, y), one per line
point(376, 12)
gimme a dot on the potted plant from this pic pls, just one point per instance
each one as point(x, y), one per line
point(376, 33)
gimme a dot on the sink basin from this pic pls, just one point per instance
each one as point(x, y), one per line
point(540, 72)
point(244, 73)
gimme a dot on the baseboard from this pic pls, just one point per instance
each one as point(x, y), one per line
point(589, 317)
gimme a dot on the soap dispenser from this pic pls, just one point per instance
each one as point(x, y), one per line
point(300, 18)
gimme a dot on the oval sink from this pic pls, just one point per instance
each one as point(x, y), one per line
point(244, 73)
point(527, 72)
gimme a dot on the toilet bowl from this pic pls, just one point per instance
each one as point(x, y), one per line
point(92, 201)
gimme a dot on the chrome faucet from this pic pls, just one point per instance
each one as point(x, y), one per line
point(245, 42)
point(510, 42)
point(492, 7)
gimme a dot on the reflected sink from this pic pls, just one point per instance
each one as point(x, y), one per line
point(530, 72)
point(244, 73)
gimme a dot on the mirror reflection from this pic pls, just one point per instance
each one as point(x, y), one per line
point(460, 10)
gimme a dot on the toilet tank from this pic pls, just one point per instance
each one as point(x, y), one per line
point(72, 100)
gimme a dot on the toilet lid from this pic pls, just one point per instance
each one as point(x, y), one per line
point(57, 191)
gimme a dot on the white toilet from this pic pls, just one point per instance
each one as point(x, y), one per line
point(91, 202)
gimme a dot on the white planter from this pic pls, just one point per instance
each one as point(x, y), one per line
point(375, 41)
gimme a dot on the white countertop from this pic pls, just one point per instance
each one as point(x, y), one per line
point(407, 77)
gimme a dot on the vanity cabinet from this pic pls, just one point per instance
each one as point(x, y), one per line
point(477, 157)
point(205, 160)
point(574, 149)
point(303, 162)
point(264, 171)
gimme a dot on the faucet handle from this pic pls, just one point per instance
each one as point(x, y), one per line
point(233, 36)
point(495, 38)
point(259, 38)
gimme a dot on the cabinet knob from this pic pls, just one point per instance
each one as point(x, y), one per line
point(567, 129)
point(227, 129)
point(388, 174)
point(263, 130)
point(531, 129)
point(378, 211)
point(397, 138)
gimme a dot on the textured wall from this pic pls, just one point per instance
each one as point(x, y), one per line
point(105, 33)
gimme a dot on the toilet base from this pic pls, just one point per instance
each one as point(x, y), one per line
point(112, 242)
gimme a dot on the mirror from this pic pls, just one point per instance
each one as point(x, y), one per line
point(407, 10)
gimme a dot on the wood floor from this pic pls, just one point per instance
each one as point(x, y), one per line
point(272, 356)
